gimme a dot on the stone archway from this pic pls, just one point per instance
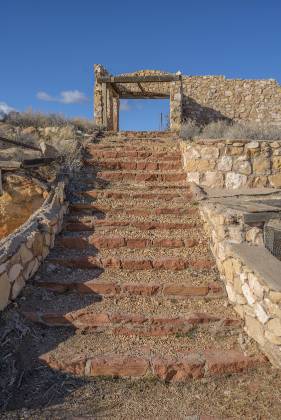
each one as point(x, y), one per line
point(145, 84)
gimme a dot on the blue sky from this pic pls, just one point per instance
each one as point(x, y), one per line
point(48, 48)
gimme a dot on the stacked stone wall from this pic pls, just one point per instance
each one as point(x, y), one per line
point(254, 297)
point(232, 164)
point(22, 252)
point(210, 98)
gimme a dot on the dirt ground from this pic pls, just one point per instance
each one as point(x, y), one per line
point(30, 390)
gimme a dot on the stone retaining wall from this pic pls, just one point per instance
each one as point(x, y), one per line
point(22, 252)
point(232, 163)
point(250, 288)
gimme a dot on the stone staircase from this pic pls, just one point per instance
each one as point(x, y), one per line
point(133, 276)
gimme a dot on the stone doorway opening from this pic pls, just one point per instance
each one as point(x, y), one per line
point(144, 115)
point(144, 84)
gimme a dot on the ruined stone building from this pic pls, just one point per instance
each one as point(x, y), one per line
point(199, 98)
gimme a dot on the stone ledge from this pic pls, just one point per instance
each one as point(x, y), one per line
point(260, 261)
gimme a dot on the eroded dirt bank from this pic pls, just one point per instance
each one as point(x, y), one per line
point(21, 198)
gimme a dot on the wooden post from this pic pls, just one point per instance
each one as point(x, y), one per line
point(1, 186)
point(104, 105)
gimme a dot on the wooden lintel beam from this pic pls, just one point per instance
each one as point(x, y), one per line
point(140, 95)
point(139, 79)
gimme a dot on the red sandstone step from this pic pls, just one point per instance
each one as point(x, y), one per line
point(137, 195)
point(184, 367)
point(128, 324)
point(139, 211)
point(142, 176)
point(90, 225)
point(129, 165)
point(178, 291)
point(137, 263)
point(111, 242)
point(138, 154)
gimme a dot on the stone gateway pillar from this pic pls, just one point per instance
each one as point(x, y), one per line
point(144, 84)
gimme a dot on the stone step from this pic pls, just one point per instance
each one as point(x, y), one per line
point(80, 225)
point(106, 241)
point(185, 367)
point(128, 324)
point(142, 176)
point(102, 355)
point(87, 180)
point(112, 193)
point(69, 283)
point(133, 263)
point(183, 284)
point(153, 146)
point(140, 211)
point(135, 165)
point(139, 154)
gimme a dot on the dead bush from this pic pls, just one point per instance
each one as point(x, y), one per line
point(40, 120)
point(232, 131)
point(190, 130)
point(35, 119)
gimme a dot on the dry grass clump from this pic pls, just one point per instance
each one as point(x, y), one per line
point(40, 120)
point(231, 130)
point(35, 119)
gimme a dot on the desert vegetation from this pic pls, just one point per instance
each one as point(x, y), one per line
point(40, 120)
point(53, 134)
point(231, 130)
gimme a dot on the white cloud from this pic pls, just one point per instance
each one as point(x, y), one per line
point(73, 97)
point(43, 96)
point(65, 97)
point(124, 105)
point(4, 109)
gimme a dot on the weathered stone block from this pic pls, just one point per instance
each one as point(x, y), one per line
point(25, 254)
point(261, 313)
point(4, 291)
point(248, 294)
point(231, 293)
point(237, 285)
point(193, 177)
point(210, 152)
point(228, 270)
point(213, 179)
point(17, 287)
point(225, 164)
point(274, 339)
point(275, 180)
point(275, 297)
point(242, 166)
point(201, 165)
point(276, 163)
point(234, 151)
point(274, 326)
point(261, 165)
point(14, 272)
point(253, 145)
point(234, 180)
point(255, 329)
